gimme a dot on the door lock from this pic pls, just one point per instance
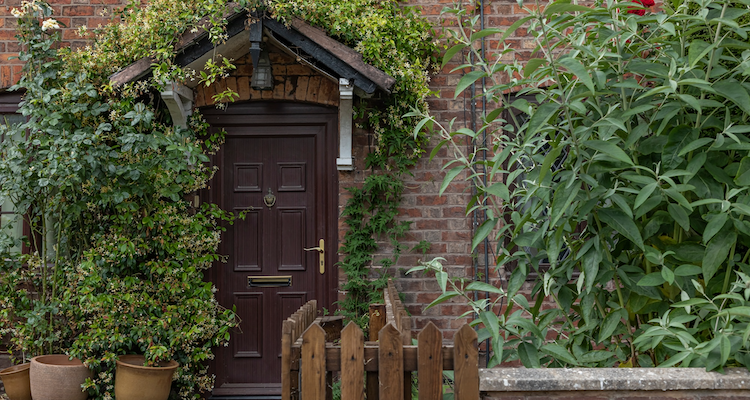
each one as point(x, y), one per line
point(322, 257)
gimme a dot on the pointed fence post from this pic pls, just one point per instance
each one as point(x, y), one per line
point(466, 364)
point(390, 364)
point(430, 363)
point(313, 363)
point(352, 362)
point(286, 360)
point(406, 341)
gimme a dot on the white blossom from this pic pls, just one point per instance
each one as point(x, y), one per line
point(50, 24)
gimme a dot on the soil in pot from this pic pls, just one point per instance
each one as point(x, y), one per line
point(56, 377)
point(16, 382)
point(133, 381)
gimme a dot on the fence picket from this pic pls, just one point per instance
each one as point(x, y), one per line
point(406, 340)
point(430, 363)
point(466, 364)
point(377, 320)
point(313, 363)
point(352, 362)
point(391, 363)
point(286, 359)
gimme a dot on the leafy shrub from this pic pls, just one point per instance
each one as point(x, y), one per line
point(621, 160)
point(118, 253)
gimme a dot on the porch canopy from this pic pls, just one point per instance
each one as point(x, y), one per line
point(310, 46)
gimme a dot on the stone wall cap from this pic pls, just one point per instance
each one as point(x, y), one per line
point(609, 379)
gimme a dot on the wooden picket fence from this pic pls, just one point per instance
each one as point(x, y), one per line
point(313, 348)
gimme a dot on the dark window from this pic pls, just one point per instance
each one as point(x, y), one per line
point(9, 220)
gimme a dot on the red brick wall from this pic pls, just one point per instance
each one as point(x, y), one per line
point(441, 220)
point(72, 13)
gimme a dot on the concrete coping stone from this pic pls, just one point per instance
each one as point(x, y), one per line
point(610, 379)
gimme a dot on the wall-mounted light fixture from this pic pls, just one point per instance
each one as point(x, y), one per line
point(262, 78)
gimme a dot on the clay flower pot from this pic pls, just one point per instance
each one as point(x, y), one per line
point(133, 381)
point(16, 381)
point(56, 377)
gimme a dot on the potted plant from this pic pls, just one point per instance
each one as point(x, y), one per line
point(16, 382)
point(136, 381)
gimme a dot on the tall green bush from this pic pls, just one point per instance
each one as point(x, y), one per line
point(621, 160)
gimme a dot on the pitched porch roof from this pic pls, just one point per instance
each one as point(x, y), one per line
point(309, 44)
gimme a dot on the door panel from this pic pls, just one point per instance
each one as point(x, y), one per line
point(276, 151)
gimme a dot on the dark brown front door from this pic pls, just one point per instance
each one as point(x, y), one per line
point(276, 166)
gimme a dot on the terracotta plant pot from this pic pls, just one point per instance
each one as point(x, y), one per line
point(133, 381)
point(16, 382)
point(56, 377)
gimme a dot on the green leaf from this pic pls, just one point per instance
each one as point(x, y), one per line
point(595, 356)
point(623, 224)
point(610, 323)
point(532, 65)
point(500, 190)
point(715, 223)
point(540, 117)
point(484, 33)
point(680, 215)
point(652, 279)
point(667, 274)
point(466, 81)
point(443, 297)
point(514, 27)
point(452, 52)
point(481, 233)
point(690, 302)
point(726, 349)
point(697, 50)
point(675, 359)
point(490, 321)
point(449, 178)
point(577, 68)
point(564, 6)
point(717, 251)
point(688, 270)
point(591, 262)
point(695, 144)
point(564, 196)
point(679, 137)
point(548, 160)
point(528, 355)
point(559, 353)
point(483, 287)
point(442, 278)
point(644, 194)
point(743, 173)
point(733, 90)
point(609, 149)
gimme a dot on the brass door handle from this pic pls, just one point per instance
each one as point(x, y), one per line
point(322, 258)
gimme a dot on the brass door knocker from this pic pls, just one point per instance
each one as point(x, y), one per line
point(269, 199)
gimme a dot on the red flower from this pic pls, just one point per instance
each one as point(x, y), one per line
point(644, 3)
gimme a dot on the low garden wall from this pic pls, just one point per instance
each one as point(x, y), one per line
point(613, 384)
